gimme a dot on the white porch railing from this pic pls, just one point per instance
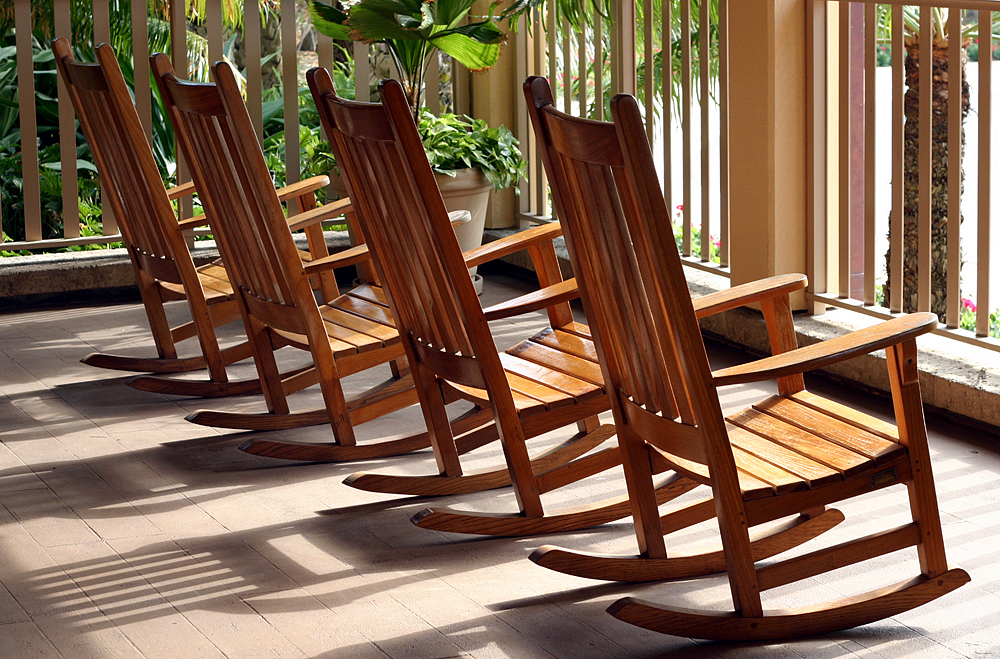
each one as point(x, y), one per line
point(685, 104)
point(866, 171)
point(215, 36)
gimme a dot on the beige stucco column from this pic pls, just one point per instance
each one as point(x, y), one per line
point(495, 93)
point(767, 131)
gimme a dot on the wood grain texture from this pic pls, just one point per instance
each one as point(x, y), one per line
point(793, 454)
point(530, 389)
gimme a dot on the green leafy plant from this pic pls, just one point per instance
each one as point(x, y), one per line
point(413, 31)
point(455, 142)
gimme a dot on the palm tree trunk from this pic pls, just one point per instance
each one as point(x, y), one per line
point(939, 178)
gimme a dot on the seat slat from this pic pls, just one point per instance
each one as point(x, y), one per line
point(373, 294)
point(848, 415)
point(542, 375)
point(779, 480)
point(581, 330)
point(566, 342)
point(357, 323)
point(364, 309)
point(526, 405)
point(559, 361)
point(814, 473)
point(833, 455)
point(553, 398)
point(829, 427)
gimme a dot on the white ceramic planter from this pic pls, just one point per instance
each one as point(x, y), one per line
point(468, 190)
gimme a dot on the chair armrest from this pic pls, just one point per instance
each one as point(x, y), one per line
point(193, 222)
point(544, 298)
point(340, 259)
point(318, 214)
point(831, 351)
point(300, 188)
point(513, 243)
point(182, 190)
point(755, 291)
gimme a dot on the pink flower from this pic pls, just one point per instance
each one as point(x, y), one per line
point(968, 304)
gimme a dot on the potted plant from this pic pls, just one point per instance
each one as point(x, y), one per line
point(468, 156)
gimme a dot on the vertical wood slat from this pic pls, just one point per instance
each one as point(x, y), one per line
point(178, 57)
point(253, 71)
point(896, 217)
point(599, 67)
point(553, 65)
point(844, 156)
point(648, 83)
point(290, 90)
point(140, 65)
point(704, 71)
point(432, 86)
point(955, 152)
point(623, 53)
point(102, 34)
point(925, 120)
point(362, 72)
point(869, 139)
point(67, 131)
point(29, 128)
point(567, 58)
point(102, 21)
point(724, 133)
point(816, 158)
point(667, 84)
point(213, 25)
point(581, 75)
point(985, 65)
point(686, 125)
point(545, 66)
point(526, 138)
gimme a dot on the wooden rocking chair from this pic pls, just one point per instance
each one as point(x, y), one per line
point(154, 238)
point(789, 455)
point(351, 333)
point(544, 383)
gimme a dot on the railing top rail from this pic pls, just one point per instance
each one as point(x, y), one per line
point(987, 5)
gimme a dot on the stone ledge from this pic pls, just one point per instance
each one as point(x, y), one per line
point(957, 380)
point(97, 273)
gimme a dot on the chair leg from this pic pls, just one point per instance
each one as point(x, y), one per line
point(155, 313)
point(912, 430)
point(267, 367)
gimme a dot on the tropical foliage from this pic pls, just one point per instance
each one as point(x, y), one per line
point(456, 142)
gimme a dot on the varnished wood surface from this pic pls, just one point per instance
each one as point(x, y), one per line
point(786, 623)
point(348, 334)
point(531, 388)
point(163, 266)
point(791, 454)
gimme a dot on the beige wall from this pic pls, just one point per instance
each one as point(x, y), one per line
point(495, 93)
point(767, 138)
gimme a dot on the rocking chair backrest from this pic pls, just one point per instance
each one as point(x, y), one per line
point(619, 235)
point(405, 221)
point(130, 181)
point(227, 165)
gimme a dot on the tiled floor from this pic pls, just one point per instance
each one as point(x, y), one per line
point(127, 532)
